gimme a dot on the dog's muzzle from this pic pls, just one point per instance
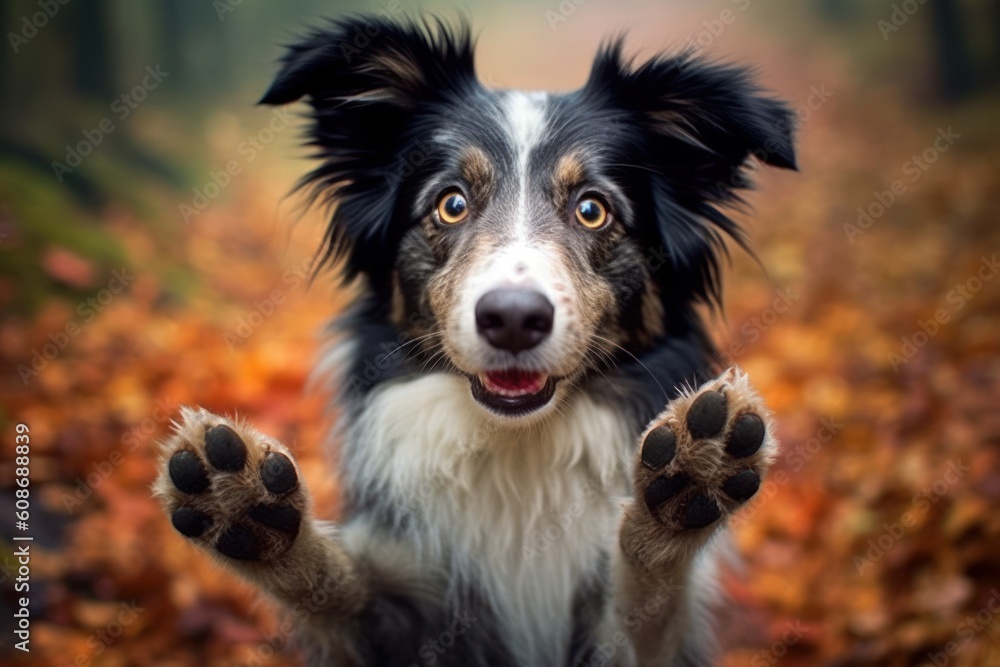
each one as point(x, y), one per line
point(513, 319)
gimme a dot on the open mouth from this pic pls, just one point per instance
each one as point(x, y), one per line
point(513, 392)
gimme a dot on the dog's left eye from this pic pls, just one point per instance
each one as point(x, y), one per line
point(452, 208)
point(591, 213)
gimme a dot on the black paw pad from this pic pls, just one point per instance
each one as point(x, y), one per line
point(280, 517)
point(278, 474)
point(239, 542)
point(187, 472)
point(190, 522)
point(224, 449)
point(662, 489)
point(700, 512)
point(742, 485)
point(659, 448)
point(707, 415)
point(746, 436)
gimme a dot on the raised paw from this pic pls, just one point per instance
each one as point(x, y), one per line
point(229, 488)
point(705, 455)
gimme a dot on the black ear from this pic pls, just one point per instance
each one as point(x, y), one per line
point(713, 105)
point(365, 79)
point(701, 123)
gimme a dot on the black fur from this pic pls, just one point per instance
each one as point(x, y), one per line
point(364, 142)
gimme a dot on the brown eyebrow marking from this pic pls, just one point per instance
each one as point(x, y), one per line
point(569, 171)
point(397, 310)
point(478, 172)
point(652, 313)
point(568, 174)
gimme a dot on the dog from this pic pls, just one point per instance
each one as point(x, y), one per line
point(537, 457)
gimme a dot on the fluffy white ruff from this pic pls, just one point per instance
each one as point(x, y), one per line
point(521, 511)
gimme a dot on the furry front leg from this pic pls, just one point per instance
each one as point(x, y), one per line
point(236, 493)
point(696, 464)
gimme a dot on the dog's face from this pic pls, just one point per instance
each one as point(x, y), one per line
point(520, 239)
point(525, 239)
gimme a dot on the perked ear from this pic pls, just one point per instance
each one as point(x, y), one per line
point(369, 57)
point(701, 122)
point(363, 78)
point(714, 106)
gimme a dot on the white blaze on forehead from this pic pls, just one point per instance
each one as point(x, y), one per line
point(526, 117)
point(526, 114)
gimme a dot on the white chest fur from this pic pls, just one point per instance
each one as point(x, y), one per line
point(524, 512)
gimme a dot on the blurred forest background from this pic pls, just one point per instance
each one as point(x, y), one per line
point(150, 257)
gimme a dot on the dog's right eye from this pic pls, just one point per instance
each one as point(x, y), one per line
point(591, 213)
point(452, 208)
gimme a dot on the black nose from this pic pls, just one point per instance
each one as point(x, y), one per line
point(514, 319)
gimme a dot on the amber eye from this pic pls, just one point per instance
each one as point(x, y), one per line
point(452, 208)
point(592, 213)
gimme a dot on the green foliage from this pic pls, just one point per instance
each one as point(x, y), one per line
point(44, 216)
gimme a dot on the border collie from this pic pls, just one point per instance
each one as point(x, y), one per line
point(536, 459)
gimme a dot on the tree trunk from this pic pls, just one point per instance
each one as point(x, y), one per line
point(93, 68)
point(955, 72)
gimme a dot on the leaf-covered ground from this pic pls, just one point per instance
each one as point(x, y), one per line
point(875, 541)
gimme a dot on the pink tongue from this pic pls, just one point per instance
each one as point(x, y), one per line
point(521, 381)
